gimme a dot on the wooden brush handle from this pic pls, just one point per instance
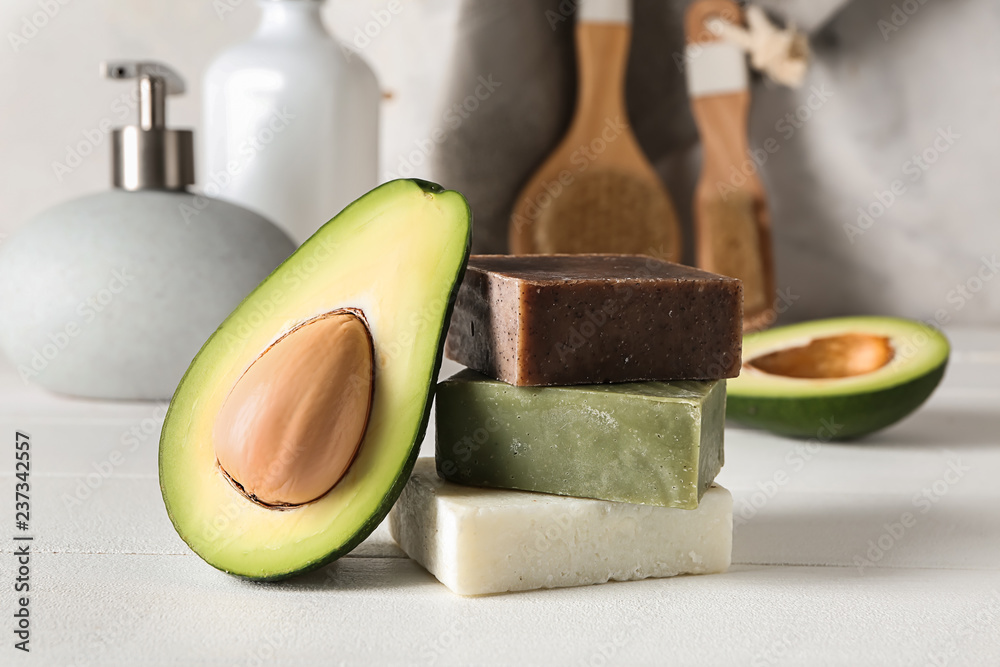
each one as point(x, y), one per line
point(603, 39)
point(695, 20)
point(721, 118)
point(732, 222)
point(597, 192)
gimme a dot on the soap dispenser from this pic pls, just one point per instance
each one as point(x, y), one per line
point(111, 295)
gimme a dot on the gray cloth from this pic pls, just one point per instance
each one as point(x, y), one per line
point(527, 46)
point(860, 226)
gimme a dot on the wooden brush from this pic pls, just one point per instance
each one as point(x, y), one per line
point(598, 192)
point(732, 223)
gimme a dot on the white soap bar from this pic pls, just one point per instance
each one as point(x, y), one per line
point(481, 541)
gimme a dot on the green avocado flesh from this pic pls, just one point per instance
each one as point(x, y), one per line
point(398, 255)
point(781, 390)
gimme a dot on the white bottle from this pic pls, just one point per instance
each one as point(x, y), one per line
point(291, 121)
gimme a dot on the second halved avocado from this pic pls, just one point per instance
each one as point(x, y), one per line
point(836, 379)
point(297, 425)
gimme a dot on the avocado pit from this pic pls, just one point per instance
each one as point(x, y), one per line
point(293, 423)
point(842, 356)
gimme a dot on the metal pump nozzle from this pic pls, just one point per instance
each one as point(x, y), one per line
point(148, 156)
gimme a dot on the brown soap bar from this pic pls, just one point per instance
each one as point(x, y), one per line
point(538, 320)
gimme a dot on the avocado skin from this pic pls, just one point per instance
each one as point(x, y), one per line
point(379, 514)
point(855, 415)
point(432, 188)
point(397, 488)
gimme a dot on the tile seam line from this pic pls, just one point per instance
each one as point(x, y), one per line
point(45, 552)
point(989, 493)
point(840, 566)
point(741, 564)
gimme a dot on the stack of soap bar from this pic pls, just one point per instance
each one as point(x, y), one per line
point(584, 444)
point(582, 319)
point(655, 443)
point(482, 541)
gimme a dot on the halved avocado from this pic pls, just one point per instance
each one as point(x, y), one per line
point(393, 259)
point(836, 379)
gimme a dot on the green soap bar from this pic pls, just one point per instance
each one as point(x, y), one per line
point(650, 443)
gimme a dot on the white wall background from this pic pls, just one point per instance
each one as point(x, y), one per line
point(52, 100)
point(893, 95)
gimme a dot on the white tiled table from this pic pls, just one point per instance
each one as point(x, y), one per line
point(113, 585)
